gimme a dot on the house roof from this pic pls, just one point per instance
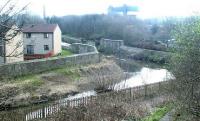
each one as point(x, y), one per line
point(37, 28)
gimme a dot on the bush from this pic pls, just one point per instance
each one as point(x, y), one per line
point(185, 63)
point(153, 56)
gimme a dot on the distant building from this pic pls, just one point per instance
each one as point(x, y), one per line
point(12, 50)
point(41, 41)
point(125, 9)
point(111, 45)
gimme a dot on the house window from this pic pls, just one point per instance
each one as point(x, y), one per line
point(46, 35)
point(1, 50)
point(30, 49)
point(28, 35)
point(46, 47)
point(1, 42)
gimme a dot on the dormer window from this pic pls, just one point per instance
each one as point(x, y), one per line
point(28, 35)
point(46, 35)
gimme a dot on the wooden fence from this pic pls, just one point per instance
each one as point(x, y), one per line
point(126, 95)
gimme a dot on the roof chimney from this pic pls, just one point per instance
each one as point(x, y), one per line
point(44, 12)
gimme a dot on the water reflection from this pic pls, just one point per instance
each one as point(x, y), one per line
point(145, 76)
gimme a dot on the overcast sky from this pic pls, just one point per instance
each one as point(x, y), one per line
point(148, 8)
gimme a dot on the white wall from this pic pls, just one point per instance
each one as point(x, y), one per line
point(1, 60)
point(14, 49)
point(38, 40)
point(57, 40)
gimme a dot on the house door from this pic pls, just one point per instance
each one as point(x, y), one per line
point(30, 49)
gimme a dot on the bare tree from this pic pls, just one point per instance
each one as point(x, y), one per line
point(9, 28)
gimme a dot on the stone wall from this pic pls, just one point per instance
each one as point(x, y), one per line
point(111, 45)
point(79, 48)
point(40, 65)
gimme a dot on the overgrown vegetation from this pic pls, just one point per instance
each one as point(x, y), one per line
point(113, 108)
point(153, 56)
point(53, 84)
point(28, 83)
point(72, 73)
point(185, 64)
point(158, 57)
point(158, 113)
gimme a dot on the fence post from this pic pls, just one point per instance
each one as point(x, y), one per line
point(159, 88)
point(91, 101)
point(126, 96)
point(68, 103)
point(43, 112)
point(130, 96)
point(145, 90)
point(172, 86)
point(83, 101)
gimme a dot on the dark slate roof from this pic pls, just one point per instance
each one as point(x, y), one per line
point(37, 28)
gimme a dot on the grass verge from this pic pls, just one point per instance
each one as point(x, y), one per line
point(66, 53)
point(158, 113)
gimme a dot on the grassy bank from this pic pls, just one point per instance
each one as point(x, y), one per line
point(52, 84)
point(66, 53)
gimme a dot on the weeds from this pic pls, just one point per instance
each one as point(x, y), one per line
point(28, 83)
point(159, 113)
point(72, 73)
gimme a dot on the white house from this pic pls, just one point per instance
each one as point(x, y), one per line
point(42, 40)
point(12, 49)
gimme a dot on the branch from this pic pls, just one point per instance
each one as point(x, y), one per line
point(18, 45)
point(16, 13)
point(6, 39)
point(5, 5)
point(10, 28)
point(7, 30)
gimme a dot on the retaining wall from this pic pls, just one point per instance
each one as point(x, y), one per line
point(40, 65)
